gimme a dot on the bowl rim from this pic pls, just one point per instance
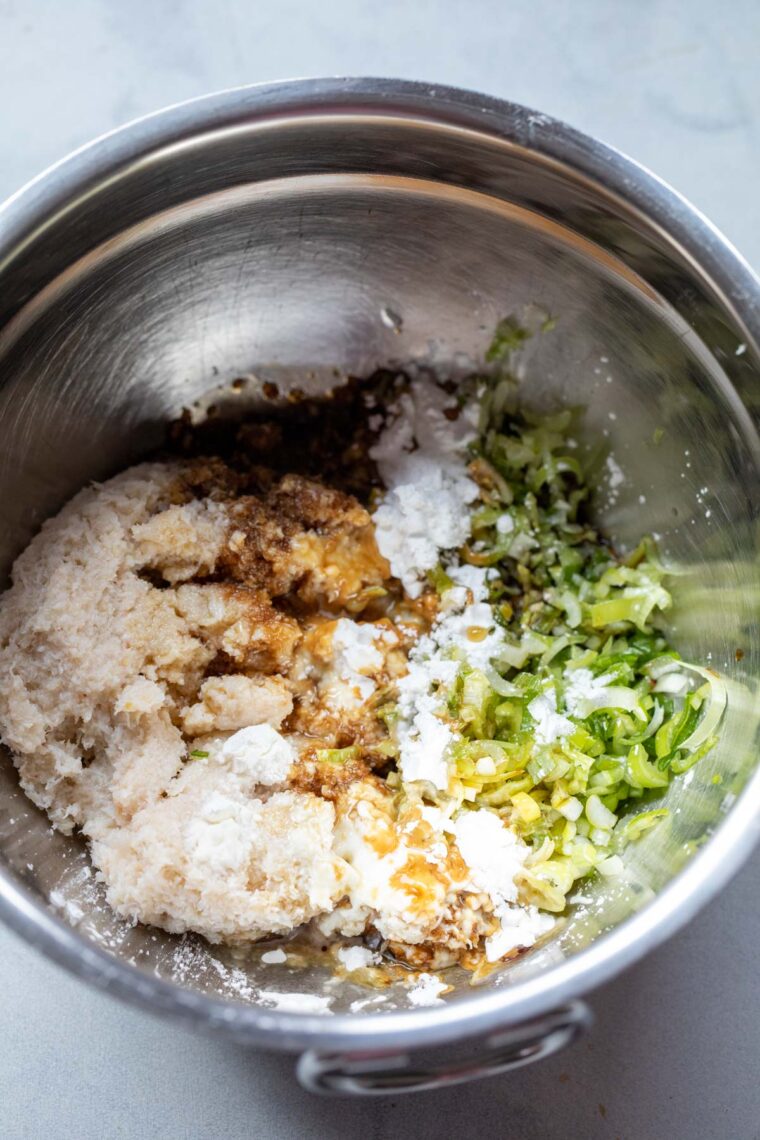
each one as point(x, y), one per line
point(52, 192)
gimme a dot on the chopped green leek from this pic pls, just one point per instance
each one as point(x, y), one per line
point(580, 624)
point(639, 824)
point(337, 756)
point(509, 335)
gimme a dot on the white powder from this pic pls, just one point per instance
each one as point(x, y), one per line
point(362, 1003)
point(465, 631)
point(423, 513)
point(376, 846)
point(258, 753)
point(471, 634)
point(355, 648)
point(426, 990)
point(297, 1003)
point(505, 524)
point(424, 748)
point(493, 853)
point(355, 656)
point(190, 961)
point(422, 459)
point(472, 578)
point(274, 957)
point(580, 686)
point(371, 876)
point(521, 926)
point(423, 737)
point(357, 958)
point(494, 856)
point(550, 725)
point(70, 908)
point(615, 478)
point(219, 837)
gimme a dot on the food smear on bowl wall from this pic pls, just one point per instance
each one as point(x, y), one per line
point(360, 667)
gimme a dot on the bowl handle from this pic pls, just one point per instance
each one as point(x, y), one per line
point(375, 1074)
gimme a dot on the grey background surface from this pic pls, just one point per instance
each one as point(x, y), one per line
point(676, 85)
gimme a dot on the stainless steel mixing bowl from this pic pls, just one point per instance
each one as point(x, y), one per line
point(291, 230)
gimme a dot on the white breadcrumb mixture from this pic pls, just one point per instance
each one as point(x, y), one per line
point(159, 696)
point(178, 779)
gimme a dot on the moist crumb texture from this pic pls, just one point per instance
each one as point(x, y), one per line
point(396, 697)
point(142, 631)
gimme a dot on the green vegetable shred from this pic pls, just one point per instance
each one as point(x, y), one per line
point(582, 631)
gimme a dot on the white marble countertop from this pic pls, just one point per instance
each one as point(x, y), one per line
point(676, 85)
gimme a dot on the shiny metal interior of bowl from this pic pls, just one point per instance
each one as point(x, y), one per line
point(272, 242)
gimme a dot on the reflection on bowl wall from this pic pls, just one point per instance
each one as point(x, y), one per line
point(269, 232)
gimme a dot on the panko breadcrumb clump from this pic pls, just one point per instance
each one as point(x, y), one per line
point(179, 646)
